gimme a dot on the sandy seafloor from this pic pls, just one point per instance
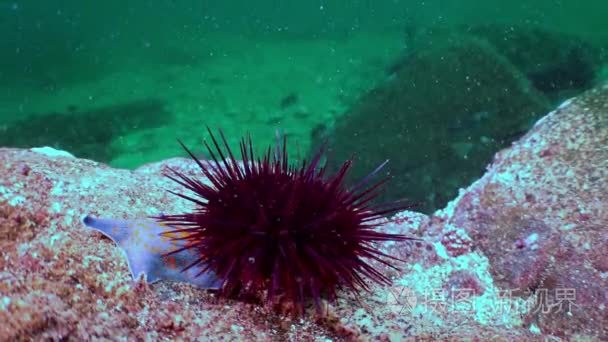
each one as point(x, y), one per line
point(236, 84)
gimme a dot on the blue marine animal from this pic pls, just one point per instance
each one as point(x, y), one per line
point(144, 246)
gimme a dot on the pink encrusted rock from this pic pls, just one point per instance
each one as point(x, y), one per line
point(61, 280)
point(540, 215)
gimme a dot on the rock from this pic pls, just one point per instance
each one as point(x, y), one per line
point(557, 64)
point(438, 119)
point(60, 280)
point(540, 215)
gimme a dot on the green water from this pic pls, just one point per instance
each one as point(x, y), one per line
point(119, 82)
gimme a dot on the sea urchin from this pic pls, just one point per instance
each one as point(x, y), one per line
point(265, 226)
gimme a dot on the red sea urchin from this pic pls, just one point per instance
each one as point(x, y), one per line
point(295, 233)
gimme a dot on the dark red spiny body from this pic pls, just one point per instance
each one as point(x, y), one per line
point(265, 225)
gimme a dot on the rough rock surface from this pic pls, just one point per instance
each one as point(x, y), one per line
point(535, 221)
point(540, 215)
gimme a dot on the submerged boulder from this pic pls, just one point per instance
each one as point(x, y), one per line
point(438, 118)
point(557, 64)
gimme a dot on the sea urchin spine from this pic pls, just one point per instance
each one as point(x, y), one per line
point(293, 233)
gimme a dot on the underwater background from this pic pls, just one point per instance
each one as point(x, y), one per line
point(493, 116)
point(437, 87)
